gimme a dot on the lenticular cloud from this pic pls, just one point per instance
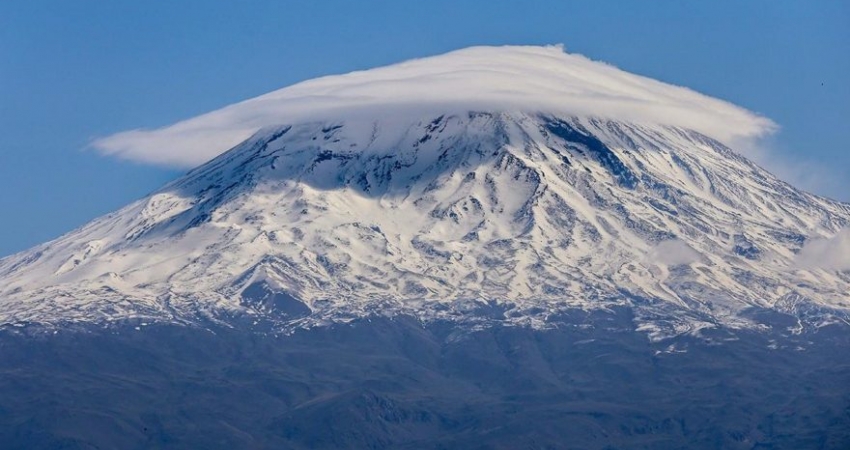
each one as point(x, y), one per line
point(527, 79)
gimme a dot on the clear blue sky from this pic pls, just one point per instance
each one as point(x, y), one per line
point(74, 70)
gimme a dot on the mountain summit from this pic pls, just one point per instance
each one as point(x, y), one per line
point(490, 184)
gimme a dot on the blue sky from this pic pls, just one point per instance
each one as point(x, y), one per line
point(74, 71)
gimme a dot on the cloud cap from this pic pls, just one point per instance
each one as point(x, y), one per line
point(510, 78)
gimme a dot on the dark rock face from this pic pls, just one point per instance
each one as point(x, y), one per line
point(378, 383)
point(264, 299)
point(570, 134)
point(744, 247)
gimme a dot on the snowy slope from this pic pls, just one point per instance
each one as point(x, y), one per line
point(516, 214)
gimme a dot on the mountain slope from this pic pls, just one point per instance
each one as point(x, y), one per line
point(506, 215)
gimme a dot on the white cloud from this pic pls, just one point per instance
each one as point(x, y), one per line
point(528, 79)
point(673, 253)
point(826, 253)
point(811, 175)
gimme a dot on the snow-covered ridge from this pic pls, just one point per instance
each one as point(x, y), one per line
point(436, 216)
point(512, 78)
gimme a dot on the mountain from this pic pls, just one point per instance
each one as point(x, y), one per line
point(507, 247)
point(508, 215)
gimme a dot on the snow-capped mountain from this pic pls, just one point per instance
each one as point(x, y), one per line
point(452, 210)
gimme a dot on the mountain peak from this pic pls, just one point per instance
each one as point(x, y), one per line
point(525, 79)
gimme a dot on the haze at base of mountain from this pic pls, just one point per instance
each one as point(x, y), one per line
point(591, 383)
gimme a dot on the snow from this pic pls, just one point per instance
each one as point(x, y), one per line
point(512, 78)
point(434, 215)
